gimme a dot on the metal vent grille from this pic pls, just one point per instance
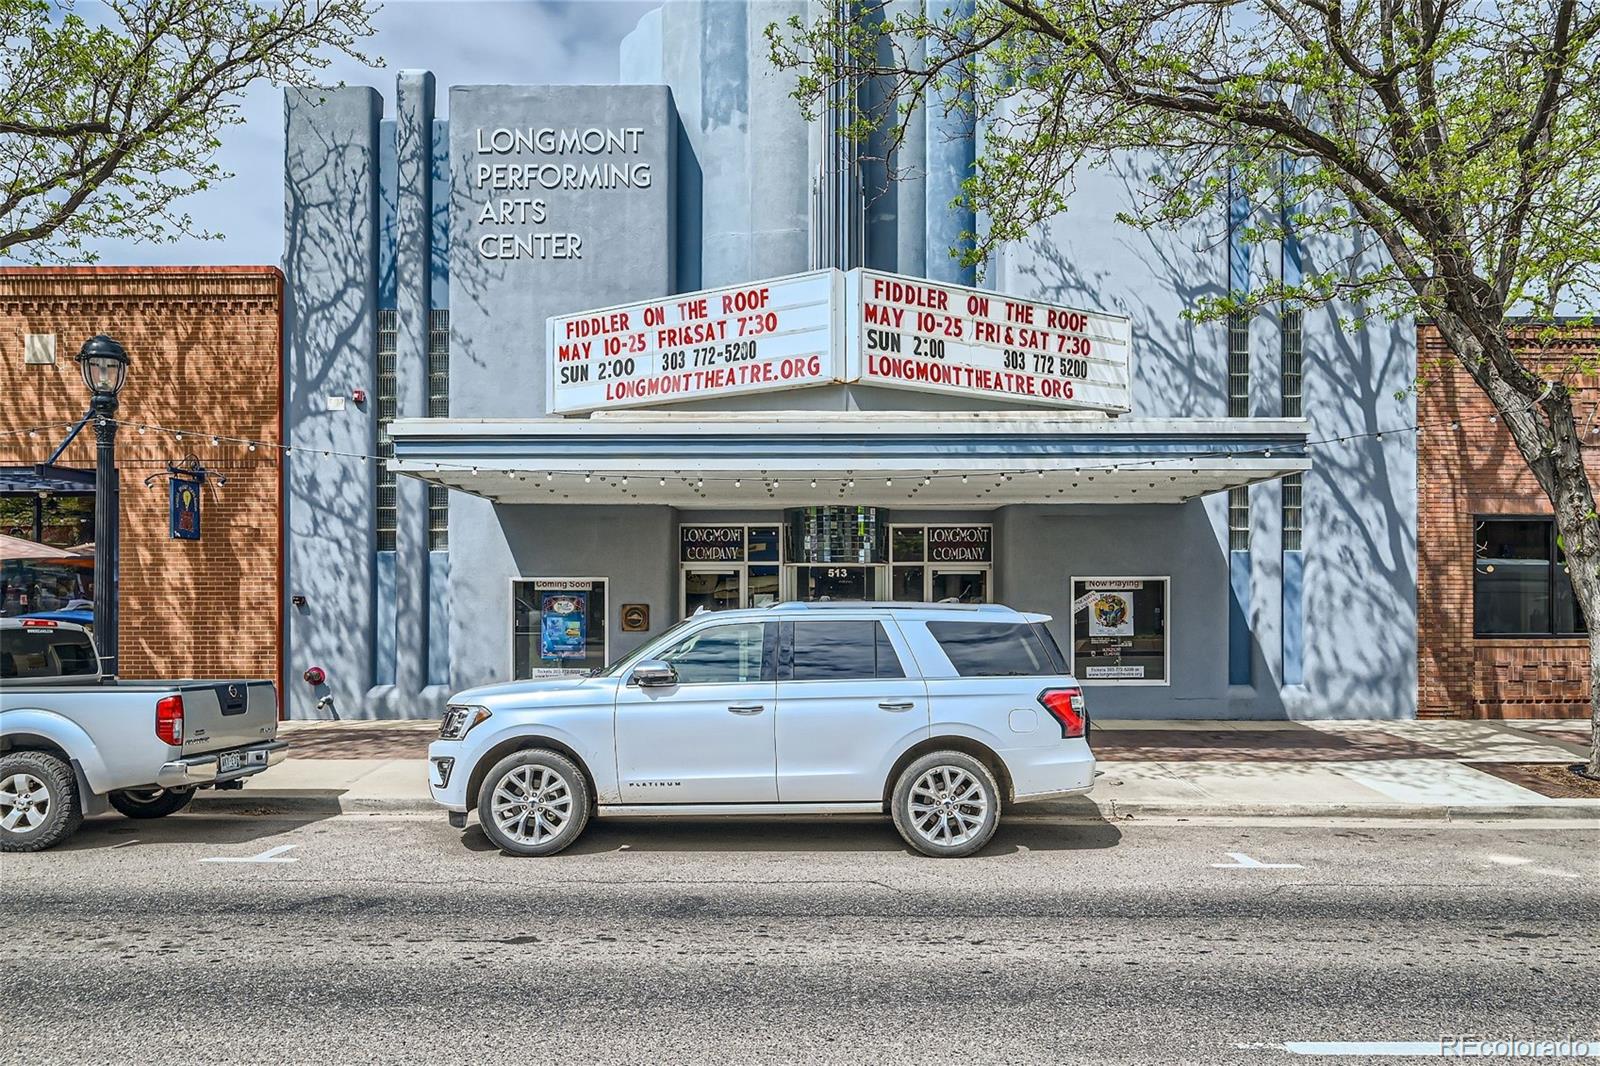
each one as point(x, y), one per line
point(388, 342)
point(1238, 365)
point(438, 407)
point(1292, 489)
point(1293, 359)
point(1239, 519)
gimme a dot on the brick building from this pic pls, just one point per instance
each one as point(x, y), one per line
point(1499, 632)
point(207, 355)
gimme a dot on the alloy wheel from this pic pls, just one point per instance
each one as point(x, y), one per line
point(24, 803)
point(948, 806)
point(532, 804)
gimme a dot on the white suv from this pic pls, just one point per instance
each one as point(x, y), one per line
point(934, 714)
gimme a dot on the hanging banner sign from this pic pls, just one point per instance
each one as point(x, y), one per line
point(915, 334)
point(766, 335)
point(832, 327)
point(183, 512)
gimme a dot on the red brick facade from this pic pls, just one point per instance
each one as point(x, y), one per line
point(1465, 473)
point(206, 345)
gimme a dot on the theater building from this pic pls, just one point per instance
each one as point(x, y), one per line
point(633, 350)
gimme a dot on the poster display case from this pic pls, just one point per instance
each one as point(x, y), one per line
point(1119, 630)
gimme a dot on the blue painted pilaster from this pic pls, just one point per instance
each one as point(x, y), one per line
point(413, 284)
point(951, 145)
point(1238, 618)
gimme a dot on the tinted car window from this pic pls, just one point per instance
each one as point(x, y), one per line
point(840, 651)
point(718, 655)
point(45, 653)
point(993, 649)
point(888, 658)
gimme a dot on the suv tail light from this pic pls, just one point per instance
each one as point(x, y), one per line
point(169, 719)
point(1066, 706)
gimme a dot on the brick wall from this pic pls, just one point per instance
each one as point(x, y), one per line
point(206, 350)
point(1470, 471)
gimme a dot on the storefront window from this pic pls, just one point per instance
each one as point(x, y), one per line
point(1119, 630)
point(1520, 581)
point(28, 586)
point(909, 584)
point(559, 626)
point(710, 590)
point(970, 548)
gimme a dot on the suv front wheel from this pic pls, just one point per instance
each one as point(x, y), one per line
point(533, 802)
point(946, 804)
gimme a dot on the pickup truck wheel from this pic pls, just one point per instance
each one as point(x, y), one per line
point(533, 803)
point(38, 801)
point(151, 802)
point(946, 804)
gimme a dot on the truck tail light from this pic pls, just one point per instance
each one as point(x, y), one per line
point(39, 623)
point(1066, 706)
point(169, 719)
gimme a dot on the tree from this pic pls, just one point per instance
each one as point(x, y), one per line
point(106, 124)
point(1458, 134)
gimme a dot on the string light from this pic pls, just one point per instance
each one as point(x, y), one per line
point(1121, 466)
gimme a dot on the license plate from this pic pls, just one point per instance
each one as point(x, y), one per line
point(229, 761)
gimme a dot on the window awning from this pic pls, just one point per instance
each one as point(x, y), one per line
point(46, 477)
point(790, 459)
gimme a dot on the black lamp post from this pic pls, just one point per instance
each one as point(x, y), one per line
point(104, 363)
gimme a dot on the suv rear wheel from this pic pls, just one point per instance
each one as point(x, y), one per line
point(533, 803)
point(38, 801)
point(946, 804)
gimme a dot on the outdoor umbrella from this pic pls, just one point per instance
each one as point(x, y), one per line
point(18, 548)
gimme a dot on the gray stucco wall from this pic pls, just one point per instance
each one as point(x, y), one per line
point(330, 322)
point(1359, 519)
point(747, 145)
point(498, 309)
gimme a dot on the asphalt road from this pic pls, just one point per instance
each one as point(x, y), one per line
point(395, 938)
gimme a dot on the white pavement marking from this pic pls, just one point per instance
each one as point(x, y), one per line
point(1241, 861)
point(1456, 1048)
point(124, 844)
point(270, 855)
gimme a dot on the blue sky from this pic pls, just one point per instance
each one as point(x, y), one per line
point(463, 42)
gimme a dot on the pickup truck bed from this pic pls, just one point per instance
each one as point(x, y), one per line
point(72, 743)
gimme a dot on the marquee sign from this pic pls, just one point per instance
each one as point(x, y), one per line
point(832, 327)
point(758, 337)
point(914, 334)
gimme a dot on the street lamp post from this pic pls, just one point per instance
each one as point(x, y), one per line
point(104, 363)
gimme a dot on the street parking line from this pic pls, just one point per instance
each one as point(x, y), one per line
point(1241, 861)
point(270, 855)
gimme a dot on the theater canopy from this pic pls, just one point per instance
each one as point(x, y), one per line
point(904, 459)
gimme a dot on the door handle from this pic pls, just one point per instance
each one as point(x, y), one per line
point(897, 705)
point(746, 708)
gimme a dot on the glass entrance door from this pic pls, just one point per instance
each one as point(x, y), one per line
point(959, 586)
point(832, 582)
point(715, 589)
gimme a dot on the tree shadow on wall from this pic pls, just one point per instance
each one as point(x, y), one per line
point(1359, 496)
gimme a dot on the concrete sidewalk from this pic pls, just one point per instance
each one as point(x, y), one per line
point(1436, 769)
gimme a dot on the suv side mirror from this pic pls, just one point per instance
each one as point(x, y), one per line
point(652, 673)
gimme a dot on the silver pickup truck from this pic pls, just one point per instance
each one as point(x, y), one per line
point(73, 743)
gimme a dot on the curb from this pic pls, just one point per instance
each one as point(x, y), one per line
point(330, 803)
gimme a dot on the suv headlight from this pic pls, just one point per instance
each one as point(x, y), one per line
point(459, 719)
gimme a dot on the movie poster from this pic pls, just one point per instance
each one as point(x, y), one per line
point(563, 625)
point(1111, 614)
